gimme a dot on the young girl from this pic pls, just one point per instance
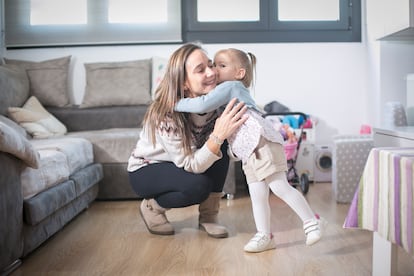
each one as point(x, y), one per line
point(260, 147)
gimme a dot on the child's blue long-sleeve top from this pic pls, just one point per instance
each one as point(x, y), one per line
point(216, 98)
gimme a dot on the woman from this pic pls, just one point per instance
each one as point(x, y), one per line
point(178, 160)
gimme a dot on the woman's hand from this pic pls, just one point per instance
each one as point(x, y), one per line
point(230, 120)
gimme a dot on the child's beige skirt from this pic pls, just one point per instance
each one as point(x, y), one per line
point(268, 158)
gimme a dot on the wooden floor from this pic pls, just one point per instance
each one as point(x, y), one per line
point(110, 238)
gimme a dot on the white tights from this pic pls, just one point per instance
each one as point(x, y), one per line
point(278, 183)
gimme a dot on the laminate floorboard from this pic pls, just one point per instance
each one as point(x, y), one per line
point(110, 238)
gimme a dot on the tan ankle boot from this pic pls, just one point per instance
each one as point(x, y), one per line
point(155, 218)
point(208, 216)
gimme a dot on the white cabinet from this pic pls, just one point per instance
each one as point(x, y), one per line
point(394, 137)
point(391, 19)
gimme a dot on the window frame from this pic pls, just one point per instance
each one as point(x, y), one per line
point(97, 32)
point(347, 29)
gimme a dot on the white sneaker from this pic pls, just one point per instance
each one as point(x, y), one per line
point(260, 242)
point(314, 229)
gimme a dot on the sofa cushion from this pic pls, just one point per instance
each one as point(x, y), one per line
point(117, 83)
point(48, 79)
point(100, 117)
point(14, 143)
point(53, 169)
point(44, 204)
point(14, 87)
point(87, 177)
point(78, 151)
point(35, 209)
point(110, 145)
point(36, 120)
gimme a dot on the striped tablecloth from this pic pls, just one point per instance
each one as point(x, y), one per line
point(383, 201)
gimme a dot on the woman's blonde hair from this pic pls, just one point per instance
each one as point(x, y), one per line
point(244, 60)
point(167, 94)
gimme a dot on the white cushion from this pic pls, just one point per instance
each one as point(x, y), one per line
point(33, 117)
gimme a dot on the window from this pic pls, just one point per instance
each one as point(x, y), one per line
point(213, 21)
point(246, 10)
point(36, 23)
point(305, 10)
point(58, 12)
point(138, 11)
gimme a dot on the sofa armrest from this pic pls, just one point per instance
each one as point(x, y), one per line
point(96, 118)
point(11, 212)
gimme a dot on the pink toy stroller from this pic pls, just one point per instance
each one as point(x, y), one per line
point(291, 151)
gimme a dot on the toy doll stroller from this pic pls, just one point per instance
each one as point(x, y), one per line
point(292, 148)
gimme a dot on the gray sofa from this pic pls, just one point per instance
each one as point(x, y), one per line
point(46, 182)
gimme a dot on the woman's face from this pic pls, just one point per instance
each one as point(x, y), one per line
point(200, 74)
point(225, 67)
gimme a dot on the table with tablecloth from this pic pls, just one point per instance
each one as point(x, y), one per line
point(383, 201)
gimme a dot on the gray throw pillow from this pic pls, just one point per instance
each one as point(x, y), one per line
point(19, 129)
point(14, 86)
point(17, 145)
point(48, 79)
point(117, 83)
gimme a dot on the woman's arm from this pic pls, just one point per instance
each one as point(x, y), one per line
point(217, 97)
point(228, 123)
point(201, 159)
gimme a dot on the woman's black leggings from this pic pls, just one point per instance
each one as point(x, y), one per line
point(173, 187)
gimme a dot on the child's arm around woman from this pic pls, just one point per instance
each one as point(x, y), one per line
point(216, 98)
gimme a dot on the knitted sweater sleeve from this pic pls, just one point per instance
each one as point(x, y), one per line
point(168, 148)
